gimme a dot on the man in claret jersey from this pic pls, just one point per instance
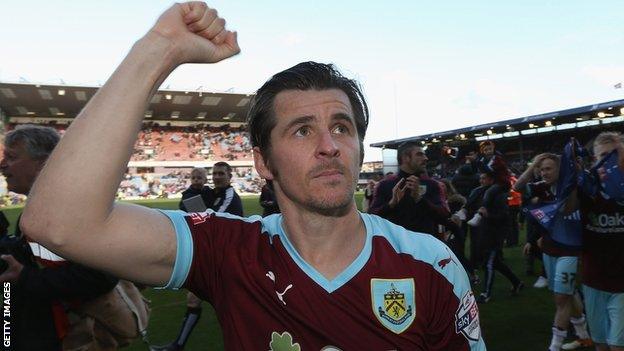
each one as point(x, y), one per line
point(321, 275)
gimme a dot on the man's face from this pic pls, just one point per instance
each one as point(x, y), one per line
point(19, 169)
point(198, 179)
point(485, 179)
point(488, 150)
point(549, 171)
point(315, 151)
point(415, 159)
point(221, 177)
point(602, 150)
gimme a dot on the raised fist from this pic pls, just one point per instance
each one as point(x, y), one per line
point(197, 33)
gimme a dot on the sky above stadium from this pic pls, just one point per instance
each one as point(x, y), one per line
point(424, 66)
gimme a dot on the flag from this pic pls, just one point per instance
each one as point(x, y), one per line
point(609, 177)
point(564, 230)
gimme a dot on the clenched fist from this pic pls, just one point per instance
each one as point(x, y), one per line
point(197, 33)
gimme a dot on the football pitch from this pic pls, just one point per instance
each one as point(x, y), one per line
point(508, 322)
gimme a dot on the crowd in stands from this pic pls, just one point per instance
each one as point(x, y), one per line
point(171, 185)
point(199, 142)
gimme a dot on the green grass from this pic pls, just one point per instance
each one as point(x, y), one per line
point(508, 322)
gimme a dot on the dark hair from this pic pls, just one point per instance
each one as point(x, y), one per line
point(223, 164)
point(38, 140)
point(304, 76)
point(404, 148)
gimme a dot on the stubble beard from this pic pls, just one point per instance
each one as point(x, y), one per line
point(329, 206)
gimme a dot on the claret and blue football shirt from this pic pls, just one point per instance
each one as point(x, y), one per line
point(405, 290)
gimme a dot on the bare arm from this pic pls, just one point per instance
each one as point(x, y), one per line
point(71, 207)
point(526, 177)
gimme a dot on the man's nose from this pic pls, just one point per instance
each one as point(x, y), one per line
point(327, 145)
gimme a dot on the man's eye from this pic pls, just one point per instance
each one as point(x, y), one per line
point(303, 131)
point(340, 129)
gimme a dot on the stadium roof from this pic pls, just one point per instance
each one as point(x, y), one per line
point(579, 117)
point(64, 101)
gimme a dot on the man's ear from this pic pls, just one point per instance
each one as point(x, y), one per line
point(262, 165)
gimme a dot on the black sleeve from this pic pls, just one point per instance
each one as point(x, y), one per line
point(236, 206)
point(499, 209)
point(181, 204)
point(472, 203)
point(381, 198)
point(68, 281)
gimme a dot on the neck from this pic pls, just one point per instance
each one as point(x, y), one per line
point(406, 169)
point(328, 243)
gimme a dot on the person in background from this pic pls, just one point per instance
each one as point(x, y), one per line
point(495, 218)
point(226, 198)
point(601, 208)
point(561, 262)
point(198, 187)
point(268, 201)
point(369, 192)
point(411, 199)
point(43, 285)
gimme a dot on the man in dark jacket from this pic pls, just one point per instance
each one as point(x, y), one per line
point(226, 198)
point(268, 201)
point(465, 180)
point(41, 284)
point(411, 199)
point(495, 218)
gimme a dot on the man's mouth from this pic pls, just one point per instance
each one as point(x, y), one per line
point(328, 173)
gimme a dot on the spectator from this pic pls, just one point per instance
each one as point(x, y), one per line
point(495, 218)
point(369, 192)
point(43, 284)
point(198, 187)
point(268, 201)
point(424, 205)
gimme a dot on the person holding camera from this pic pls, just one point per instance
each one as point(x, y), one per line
point(411, 199)
point(42, 284)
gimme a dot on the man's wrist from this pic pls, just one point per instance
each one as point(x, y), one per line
point(157, 51)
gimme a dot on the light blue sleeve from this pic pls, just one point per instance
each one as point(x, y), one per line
point(184, 251)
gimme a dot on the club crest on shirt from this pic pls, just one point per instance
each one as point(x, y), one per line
point(467, 317)
point(394, 303)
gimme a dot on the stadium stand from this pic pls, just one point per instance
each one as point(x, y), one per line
point(519, 139)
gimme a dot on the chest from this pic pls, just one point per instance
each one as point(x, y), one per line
point(274, 301)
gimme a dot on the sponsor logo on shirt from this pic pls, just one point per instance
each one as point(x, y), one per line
point(467, 317)
point(444, 262)
point(198, 218)
point(606, 223)
point(393, 303)
point(280, 295)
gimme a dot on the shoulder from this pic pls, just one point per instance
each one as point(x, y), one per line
point(420, 246)
point(388, 182)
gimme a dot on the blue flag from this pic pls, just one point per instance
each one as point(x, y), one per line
point(564, 230)
point(609, 177)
